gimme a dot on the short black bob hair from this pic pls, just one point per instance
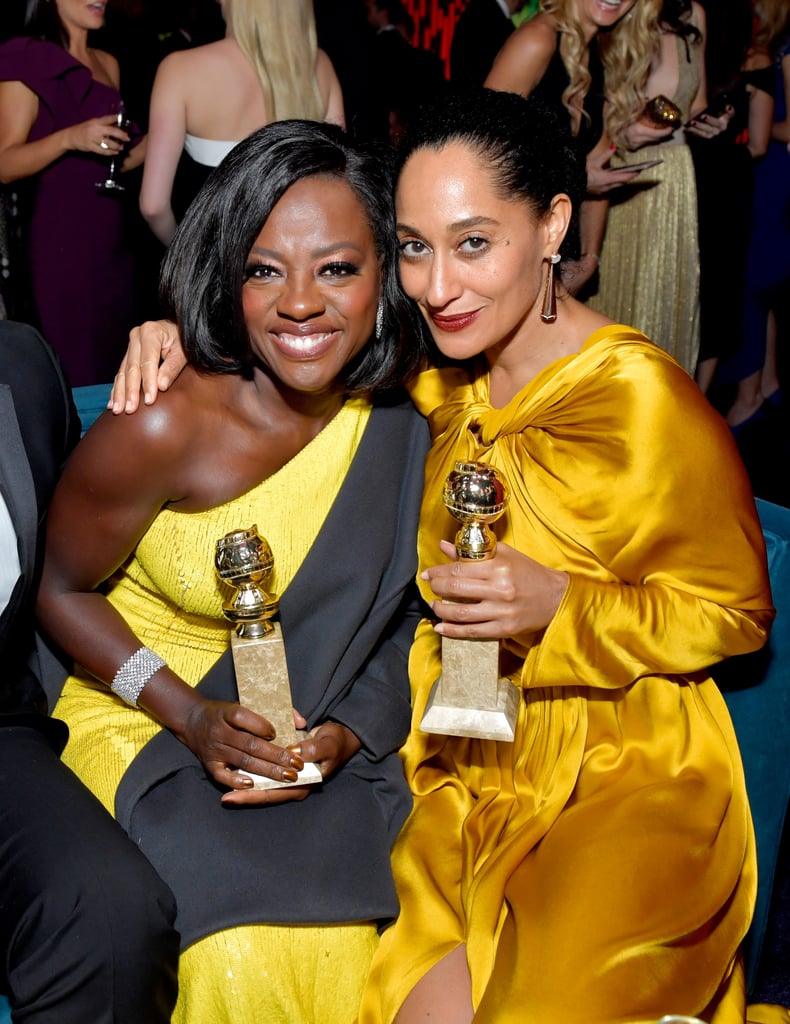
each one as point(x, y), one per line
point(530, 152)
point(203, 271)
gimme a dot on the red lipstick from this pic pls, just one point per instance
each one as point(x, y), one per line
point(455, 323)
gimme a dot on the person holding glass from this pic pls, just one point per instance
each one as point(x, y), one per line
point(59, 111)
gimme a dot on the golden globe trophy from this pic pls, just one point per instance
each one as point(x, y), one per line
point(469, 698)
point(244, 560)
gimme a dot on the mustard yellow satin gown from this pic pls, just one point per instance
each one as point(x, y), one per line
point(168, 592)
point(601, 868)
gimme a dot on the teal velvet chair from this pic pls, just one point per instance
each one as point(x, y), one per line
point(757, 690)
point(91, 400)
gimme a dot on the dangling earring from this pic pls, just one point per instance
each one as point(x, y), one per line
point(549, 312)
point(380, 318)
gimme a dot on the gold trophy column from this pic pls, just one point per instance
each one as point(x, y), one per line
point(244, 560)
point(469, 698)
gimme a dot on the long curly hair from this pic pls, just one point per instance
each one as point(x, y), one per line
point(626, 49)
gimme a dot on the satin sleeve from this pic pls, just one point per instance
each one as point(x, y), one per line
point(660, 537)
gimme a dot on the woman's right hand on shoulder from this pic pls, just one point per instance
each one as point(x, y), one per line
point(153, 360)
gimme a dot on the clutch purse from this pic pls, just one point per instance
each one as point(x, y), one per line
point(662, 112)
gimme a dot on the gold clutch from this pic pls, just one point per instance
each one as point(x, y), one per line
point(662, 112)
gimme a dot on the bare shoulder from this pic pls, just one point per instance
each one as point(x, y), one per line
point(522, 61)
point(698, 16)
point(156, 437)
point(757, 59)
point(322, 62)
point(193, 62)
point(537, 34)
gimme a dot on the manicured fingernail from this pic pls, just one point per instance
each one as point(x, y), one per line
point(297, 763)
point(289, 776)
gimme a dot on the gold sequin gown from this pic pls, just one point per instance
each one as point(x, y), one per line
point(649, 270)
point(600, 868)
point(168, 592)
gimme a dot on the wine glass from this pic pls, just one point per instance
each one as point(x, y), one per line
point(111, 183)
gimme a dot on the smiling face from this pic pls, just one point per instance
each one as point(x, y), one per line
point(79, 14)
point(472, 260)
point(602, 14)
point(312, 285)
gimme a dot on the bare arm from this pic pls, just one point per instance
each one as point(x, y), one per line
point(523, 60)
point(21, 159)
point(115, 484)
point(781, 129)
point(135, 156)
point(166, 135)
point(329, 87)
point(761, 116)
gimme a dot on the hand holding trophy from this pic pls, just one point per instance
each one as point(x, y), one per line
point(469, 698)
point(244, 560)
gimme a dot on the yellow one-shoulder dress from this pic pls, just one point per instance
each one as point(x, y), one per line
point(169, 593)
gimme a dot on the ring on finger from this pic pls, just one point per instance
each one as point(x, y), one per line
point(103, 143)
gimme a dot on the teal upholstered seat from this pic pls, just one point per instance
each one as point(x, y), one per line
point(91, 400)
point(757, 690)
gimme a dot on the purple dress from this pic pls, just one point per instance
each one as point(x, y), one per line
point(81, 270)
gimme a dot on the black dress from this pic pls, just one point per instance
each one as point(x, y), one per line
point(724, 169)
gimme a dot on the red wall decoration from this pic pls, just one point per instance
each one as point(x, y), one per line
point(434, 21)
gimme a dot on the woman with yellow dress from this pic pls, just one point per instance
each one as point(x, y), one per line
point(282, 280)
point(601, 867)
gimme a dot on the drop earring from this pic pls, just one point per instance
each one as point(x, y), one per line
point(380, 318)
point(548, 313)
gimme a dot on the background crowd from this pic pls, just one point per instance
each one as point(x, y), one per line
point(693, 248)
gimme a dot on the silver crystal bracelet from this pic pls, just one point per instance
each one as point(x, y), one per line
point(132, 676)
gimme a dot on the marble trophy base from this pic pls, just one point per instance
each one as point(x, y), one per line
point(469, 698)
point(263, 684)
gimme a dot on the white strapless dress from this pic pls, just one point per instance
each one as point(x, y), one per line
point(209, 152)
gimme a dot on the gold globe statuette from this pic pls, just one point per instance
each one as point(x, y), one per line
point(470, 698)
point(244, 561)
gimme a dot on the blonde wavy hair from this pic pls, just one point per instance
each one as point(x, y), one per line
point(772, 24)
point(279, 39)
point(627, 50)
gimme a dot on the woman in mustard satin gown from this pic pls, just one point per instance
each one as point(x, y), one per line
point(601, 867)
